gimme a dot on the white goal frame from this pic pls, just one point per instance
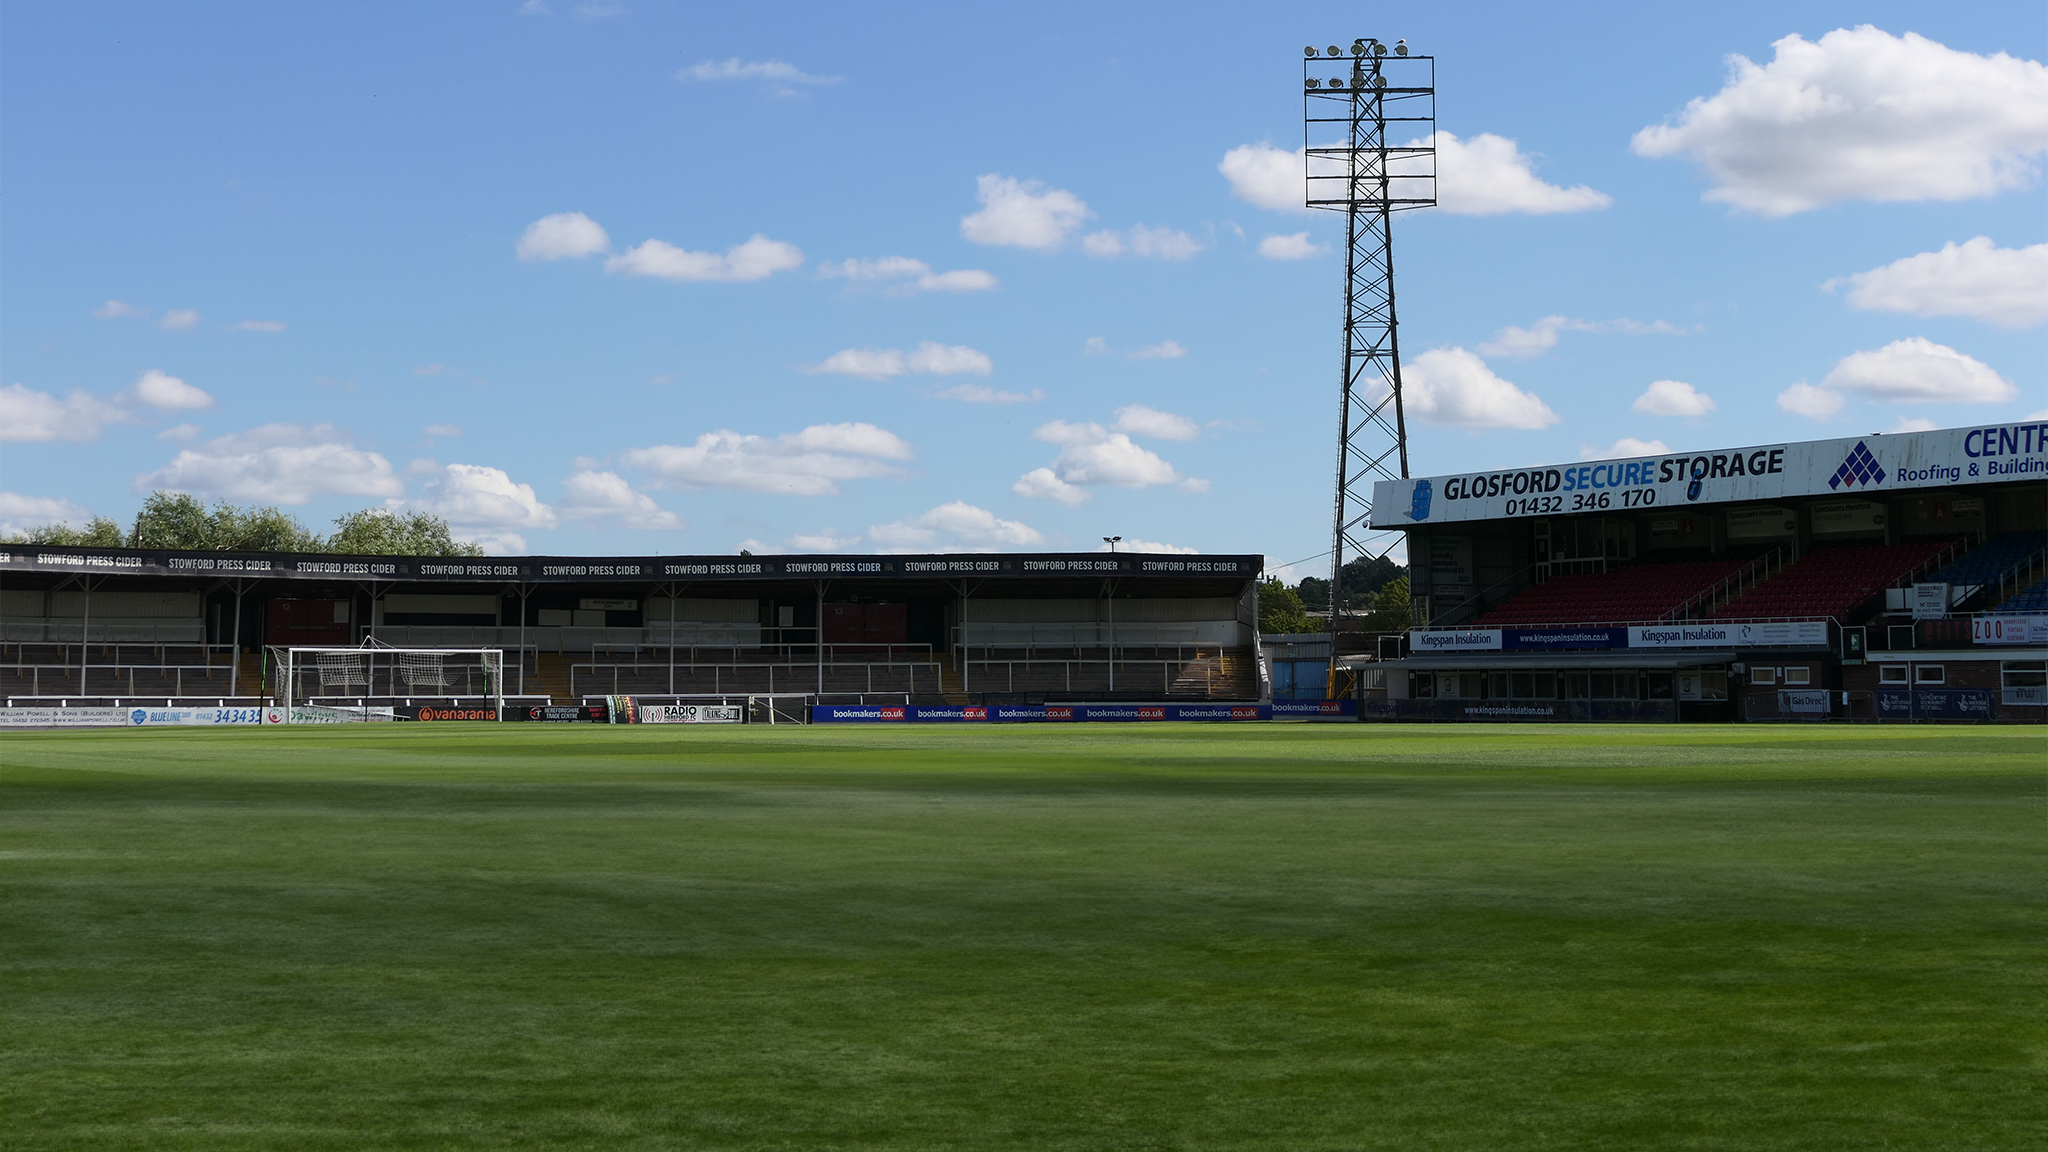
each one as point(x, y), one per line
point(401, 673)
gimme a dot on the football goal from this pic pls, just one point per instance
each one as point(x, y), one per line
point(343, 677)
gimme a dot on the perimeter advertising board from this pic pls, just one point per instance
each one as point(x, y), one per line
point(1032, 713)
point(1687, 634)
point(1850, 468)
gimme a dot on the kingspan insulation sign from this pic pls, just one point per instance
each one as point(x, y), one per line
point(1850, 467)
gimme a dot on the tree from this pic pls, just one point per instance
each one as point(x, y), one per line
point(180, 520)
point(1391, 610)
point(1280, 610)
point(99, 533)
point(381, 532)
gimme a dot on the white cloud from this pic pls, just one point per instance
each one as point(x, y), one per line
point(983, 394)
point(1096, 346)
point(486, 503)
point(179, 433)
point(562, 236)
point(597, 10)
point(774, 71)
point(1803, 399)
point(1914, 424)
point(277, 464)
point(593, 495)
point(115, 310)
point(1267, 176)
point(443, 430)
point(823, 540)
point(1626, 446)
point(1293, 247)
point(1488, 175)
point(1541, 336)
point(260, 326)
point(179, 319)
point(757, 259)
point(2003, 286)
point(1134, 544)
point(534, 8)
point(1917, 369)
point(29, 415)
point(955, 527)
point(1139, 420)
point(927, 359)
point(1142, 241)
point(1095, 456)
point(161, 390)
point(1018, 214)
point(1673, 398)
point(20, 513)
point(903, 274)
point(1861, 114)
point(806, 463)
point(1452, 386)
point(1164, 350)
point(1045, 484)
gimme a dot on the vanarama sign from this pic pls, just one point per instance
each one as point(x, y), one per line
point(1855, 466)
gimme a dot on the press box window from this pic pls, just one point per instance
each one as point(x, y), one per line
point(1929, 674)
point(1891, 674)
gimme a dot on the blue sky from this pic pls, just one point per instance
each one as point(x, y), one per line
point(274, 254)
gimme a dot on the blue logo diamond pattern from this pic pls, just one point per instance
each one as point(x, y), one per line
point(1861, 467)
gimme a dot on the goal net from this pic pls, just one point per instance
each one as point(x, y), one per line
point(371, 681)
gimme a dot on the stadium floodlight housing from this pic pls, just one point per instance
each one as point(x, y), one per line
point(1400, 47)
point(1369, 151)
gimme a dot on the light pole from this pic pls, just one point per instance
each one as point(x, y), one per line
point(1111, 541)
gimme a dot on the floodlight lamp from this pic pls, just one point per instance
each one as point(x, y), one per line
point(1400, 47)
point(1379, 81)
point(1336, 82)
point(1358, 47)
point(1379, 49)
point(1336, 51)
point(1311, 50)
point(1314, 83)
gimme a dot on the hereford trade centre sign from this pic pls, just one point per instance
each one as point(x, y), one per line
point(1859, 465)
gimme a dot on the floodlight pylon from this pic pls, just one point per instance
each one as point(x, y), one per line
point(1354, 166)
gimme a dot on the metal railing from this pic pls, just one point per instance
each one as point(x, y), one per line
point(1728, 588)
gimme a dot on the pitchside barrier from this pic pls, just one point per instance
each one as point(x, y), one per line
point(1032, 713)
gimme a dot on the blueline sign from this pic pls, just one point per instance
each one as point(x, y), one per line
point(1849, 467)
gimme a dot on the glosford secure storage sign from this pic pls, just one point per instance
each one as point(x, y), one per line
point(1854, 466)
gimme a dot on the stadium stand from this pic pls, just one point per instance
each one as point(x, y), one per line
point(1640, 592)
point(1833, 581)
point(1996, 564)
point(2030, 601)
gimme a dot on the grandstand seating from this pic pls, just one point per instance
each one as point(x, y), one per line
point(1991, 559)
point(1831, 581)
point(118, 671)
point(2033, 600)
point(1640, 592)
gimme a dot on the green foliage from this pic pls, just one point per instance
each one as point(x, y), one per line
point(381, 532)
point(100, 533)
point(1280, 609)
point(1391, 610)
point(180, 520)
point(1363, 576)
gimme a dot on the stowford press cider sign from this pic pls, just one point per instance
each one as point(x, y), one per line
point(1854, 466)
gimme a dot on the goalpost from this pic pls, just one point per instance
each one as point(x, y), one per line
point(348, 681)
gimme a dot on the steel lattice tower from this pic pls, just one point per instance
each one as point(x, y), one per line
point(1365, 93)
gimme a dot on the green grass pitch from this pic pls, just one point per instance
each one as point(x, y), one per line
point(1043, 937)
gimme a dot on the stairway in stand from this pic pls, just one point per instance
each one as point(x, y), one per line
point(550, 676)
point(949, 680)
point(1217, 674)
point(249, 680)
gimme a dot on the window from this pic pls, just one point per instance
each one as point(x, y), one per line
point(1497, 685)
point(1524, 686)
point(1798, 676)
point(1603, 685)
point(2025, 682)
point(1714, 684)
point(1764, 676)
point(1447, 685)
point(1929, 674)
point(1577, 685)
point(1472, 685)
point(1660, 685)
point(1422, 686)
point(1546, 685)
point(1891, 674)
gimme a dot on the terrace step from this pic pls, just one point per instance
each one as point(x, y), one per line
point(550, 676)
